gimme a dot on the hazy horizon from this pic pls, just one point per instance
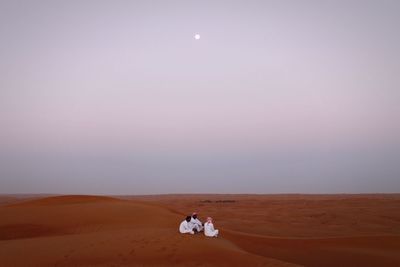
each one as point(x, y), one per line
point(118, 97)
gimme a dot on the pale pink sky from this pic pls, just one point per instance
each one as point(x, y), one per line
point(117, 97)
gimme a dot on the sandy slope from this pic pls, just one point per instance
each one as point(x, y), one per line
point(310, 230)
point(328, 252)
point(103, 231)
point(256, 230)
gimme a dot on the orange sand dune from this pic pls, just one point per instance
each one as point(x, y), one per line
point(10, 199)
point(103, 231)
point(256, 230)
point(309, 230)
point(328, 252)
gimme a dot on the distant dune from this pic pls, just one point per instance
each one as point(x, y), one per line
point(256, 230)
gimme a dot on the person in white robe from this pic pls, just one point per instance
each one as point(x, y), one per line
point(209, 229)
point(196, 223)
point(185, 227)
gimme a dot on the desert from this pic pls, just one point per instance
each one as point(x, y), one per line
point(256, 230)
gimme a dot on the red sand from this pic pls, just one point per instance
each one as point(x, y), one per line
point(255, 230)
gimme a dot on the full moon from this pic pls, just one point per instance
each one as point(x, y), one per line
point(197, 36)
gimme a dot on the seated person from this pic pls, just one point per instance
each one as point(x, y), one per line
point(196, 223)
point(185, 227)
point(209, 228)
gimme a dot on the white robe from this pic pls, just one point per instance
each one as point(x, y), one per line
point(209, 230)
point(196, 223)
point(185, 228)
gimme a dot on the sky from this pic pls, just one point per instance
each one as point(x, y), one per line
point(118, 97)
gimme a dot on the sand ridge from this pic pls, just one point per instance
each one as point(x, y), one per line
point(310, 230)
point(104, 231)
point(143, 231)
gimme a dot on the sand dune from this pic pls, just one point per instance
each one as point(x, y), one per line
point(102, 231)
point(106, 231)
point(350, 251)
point(309, 230)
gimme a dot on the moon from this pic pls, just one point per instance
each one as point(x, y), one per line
point(197, 36)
